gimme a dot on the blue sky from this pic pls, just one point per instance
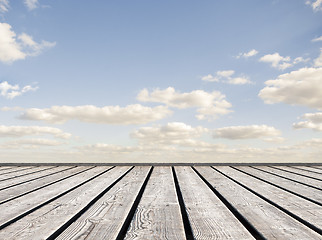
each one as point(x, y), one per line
point(161, 81)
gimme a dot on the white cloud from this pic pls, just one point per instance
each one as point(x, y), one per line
point(209, 105)
point(13, 48)
point(277, 61)
point(313, 143)
point(4, 6)
point(10, 50)
point(21, 131)
point(316, 5)
point(31, 47)
point(281, 63)
point(318, 61)
point(210, 78)
point(226, 73)
point(172, 133)
point(31, 4)
point(300, 87)
point(246, 132)
point(313, 121)
point(251, 53)
point(131, 114)
point(226, 77)
point(318, 39)
point(30, 143)
point(239, 81)
point(107, 148)
point(11, 91)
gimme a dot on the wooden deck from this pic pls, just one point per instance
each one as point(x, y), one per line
point(161, 202)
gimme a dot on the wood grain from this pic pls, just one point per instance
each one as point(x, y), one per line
point(297, 188)
point(158, 214)
point(209, 217)
point(28, 178)
point(302, 172)
point(46, 220)
point(18, 172)
point(267, 219)
point(16, 207)
point(304, 209)
point(296, 177)
point(105, 218)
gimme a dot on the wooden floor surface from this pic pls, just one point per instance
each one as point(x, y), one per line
point(161, 202)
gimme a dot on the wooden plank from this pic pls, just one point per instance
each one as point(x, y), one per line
point(316, 168)
point(5, 168)
point(23, 173)
point(105, 218)
point(293, 176)
point(302, 208)
point(31, 177)
point(42, 223)
point(310, 169)
point(12, 209)
point(158, 214)
point(267, 219)
point(209, 218)
point(297, 188)
point(18, 190)
point(301, 172)
point(15, 172)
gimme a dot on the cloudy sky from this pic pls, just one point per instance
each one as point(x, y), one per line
point(161, 81)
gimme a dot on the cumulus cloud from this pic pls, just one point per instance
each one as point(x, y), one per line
point(300, 87)
point(4, 6)
point(131, 114)
point(31, 4)
point(318, 39)
point(281, 63)
point(30, 143)
point(209, 78)
point(277, 61)
point(11, 91)
point(108, 148)
point(246, 132)
point(209, 105)
point(251, 53)
point(226, 77)
point(171, 133)
point(312, 143)
point(13, 48)
point(21, 131)
point(313, 121)
point(316, 5)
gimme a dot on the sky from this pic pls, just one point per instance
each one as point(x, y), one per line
point(160, 81)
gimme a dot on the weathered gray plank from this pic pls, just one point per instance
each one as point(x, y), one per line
point(5, 168)
point(158, 214)
point(25, 173)
point(293, 176)
point(310, 169)
point(267, 219)
point(45, 221)
point(26, 178)
point(105, 218)
point(10, 193)
point(17, 172)
point(298, 188)
point(302, 208)
point(15, 169)
point(16, 207)
point(299, 171)
point(209, 217)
